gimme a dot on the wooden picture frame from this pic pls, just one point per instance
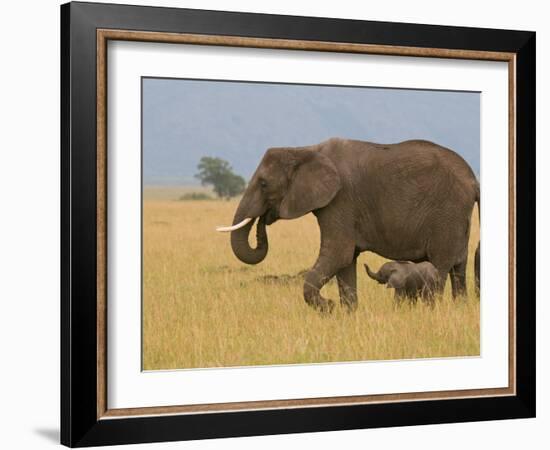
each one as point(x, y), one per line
point(86, 418)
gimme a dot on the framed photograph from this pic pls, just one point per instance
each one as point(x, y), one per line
point(278, 224)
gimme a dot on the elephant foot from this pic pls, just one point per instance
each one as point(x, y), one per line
point(325, 306)
point(429, 300)
point(398, 300)
point(314, 299)
point(321, 304)
point(405, 300)
point(349, 306)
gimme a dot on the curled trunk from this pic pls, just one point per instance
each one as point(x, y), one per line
point(374, 275)
point(239, 241)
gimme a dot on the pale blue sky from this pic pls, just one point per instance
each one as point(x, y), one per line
point(184, 120)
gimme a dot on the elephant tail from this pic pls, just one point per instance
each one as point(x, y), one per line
point(477, 255)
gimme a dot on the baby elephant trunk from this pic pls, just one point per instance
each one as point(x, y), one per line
point(374, 275)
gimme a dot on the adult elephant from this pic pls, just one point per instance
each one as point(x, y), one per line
point(409, 201)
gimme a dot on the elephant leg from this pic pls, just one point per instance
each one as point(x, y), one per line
point(443, 268)
point(324, 269)
point(315, 279)
point(444, 250)
point(409, 295)
point(458, 280)
point(443, 273)
point(427, 295)
point(336, 257)
point(476, 270)
point(347, 286)
point(399, 296)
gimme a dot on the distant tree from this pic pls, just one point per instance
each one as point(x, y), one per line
point(219, 174)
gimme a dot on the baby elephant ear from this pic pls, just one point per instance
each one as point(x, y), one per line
point(396, 281)
point(313, 184)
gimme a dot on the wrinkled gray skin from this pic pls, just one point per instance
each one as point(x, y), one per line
point(410, 201)
point(409, 280)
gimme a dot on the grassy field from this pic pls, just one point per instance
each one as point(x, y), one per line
point(204, 308)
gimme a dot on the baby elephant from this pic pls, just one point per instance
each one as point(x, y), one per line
point(409, 280)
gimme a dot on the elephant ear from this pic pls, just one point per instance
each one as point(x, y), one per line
point(313, 184)
point(396, 281)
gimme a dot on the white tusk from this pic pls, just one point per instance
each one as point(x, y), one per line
point(234, 227)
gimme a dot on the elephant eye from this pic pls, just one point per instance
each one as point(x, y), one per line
point(263, 184)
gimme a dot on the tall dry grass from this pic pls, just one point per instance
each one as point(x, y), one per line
point(204, 308)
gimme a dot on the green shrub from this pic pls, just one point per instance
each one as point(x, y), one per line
point(195, 196)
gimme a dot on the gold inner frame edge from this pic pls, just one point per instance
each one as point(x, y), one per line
point(103, 36)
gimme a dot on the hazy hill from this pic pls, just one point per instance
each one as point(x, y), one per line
point(184, 120)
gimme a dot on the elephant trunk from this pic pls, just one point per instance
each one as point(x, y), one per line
point(239, 240)
point(374, 275)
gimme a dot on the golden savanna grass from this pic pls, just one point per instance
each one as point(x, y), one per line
point(204, 308)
